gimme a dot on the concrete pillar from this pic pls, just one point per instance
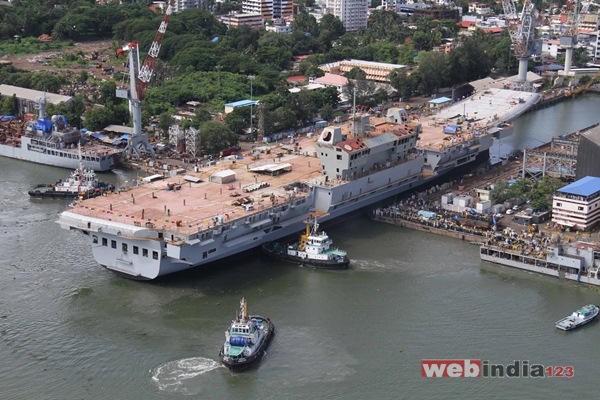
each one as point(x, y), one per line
point(523, 64)
point(568, 59)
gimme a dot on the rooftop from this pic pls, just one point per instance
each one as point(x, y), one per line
point(33, 95)
point(584, 187)
point(332, 79)
point(241, 103)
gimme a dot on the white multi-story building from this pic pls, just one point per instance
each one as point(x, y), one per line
point(578, 205)
point(352, 13)
point(270, 9)
point(181, 5)
point(479, 8)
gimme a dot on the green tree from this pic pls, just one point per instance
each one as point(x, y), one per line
point(108, 92)
point(216, 136)
point(434, 71)
point(501, 192)
point(470, 60)
point(356, 73)
point(306, 24)
point(165, 120)
point(402, 83)
point(10, 105)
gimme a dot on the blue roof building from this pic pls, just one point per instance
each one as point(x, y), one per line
point(229, 107)
point(585, 187)
point(577, 205)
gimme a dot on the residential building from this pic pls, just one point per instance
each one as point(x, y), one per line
point(375, 71)
point(352, 13)
point(338, 81)
point(479, 8)
point(551, 47)
point(181, 5)
point(270, 9)
point(577, 205)
point(263, 7)
point(252, 20)
point(283, 29)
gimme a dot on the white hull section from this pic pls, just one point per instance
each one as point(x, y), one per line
point(60, 158)
point(541, 269)
point(138, 252)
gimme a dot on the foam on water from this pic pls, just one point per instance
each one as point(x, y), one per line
point(173, 376)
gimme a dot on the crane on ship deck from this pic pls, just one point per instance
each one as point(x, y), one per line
point(140, 77)
point(522, 33)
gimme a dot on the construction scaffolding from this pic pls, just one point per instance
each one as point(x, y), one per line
point(559, 161)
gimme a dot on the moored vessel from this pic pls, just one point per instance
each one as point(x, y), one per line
point(151, 232)
point(572, 261)
point(584, 315)
point(81, 184)
point(246, 339)
point(52, 141)
point(314, 248)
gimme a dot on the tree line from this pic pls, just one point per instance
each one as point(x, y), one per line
point(214, 62)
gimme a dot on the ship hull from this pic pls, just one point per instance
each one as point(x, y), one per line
point(112, 243)
point(531, 264)
point(45, 192)
point(239, 364)
point(60, 158)
point(280, 253)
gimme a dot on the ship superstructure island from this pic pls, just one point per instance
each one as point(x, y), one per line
point(150, 230)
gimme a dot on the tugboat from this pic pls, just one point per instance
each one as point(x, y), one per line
point(314, 248)
point(82, 184)
point(579, 318)
point(246, 339)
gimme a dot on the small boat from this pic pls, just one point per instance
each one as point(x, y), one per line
point(246, 339)
point(314, 248)
point(579, 318)
point(82, 184)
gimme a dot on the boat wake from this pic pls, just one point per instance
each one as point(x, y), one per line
point(173, 376)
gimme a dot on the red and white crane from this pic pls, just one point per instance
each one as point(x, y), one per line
point(140, 77)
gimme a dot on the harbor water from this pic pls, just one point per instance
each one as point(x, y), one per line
point(72, 330)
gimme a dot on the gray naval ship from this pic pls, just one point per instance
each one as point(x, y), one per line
point(152, 230)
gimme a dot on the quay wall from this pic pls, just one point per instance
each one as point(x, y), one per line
point(425, 228)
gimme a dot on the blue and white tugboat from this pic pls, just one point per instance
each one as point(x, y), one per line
point(246, 339)
point(314, 248)
point(579, 318)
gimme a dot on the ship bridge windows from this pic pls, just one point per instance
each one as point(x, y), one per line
point(94, 239)
point(113, 244)
point(145, 252)
point(124, 247)
point(104, 242)
point(136, 250)
point(155, 255)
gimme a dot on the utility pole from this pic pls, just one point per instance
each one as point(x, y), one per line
point(251, 78)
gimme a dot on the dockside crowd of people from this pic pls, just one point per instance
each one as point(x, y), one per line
point(527, 241)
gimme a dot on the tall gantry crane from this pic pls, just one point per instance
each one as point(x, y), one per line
point(568, 38)
point(140, 77)
point(522, 33)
